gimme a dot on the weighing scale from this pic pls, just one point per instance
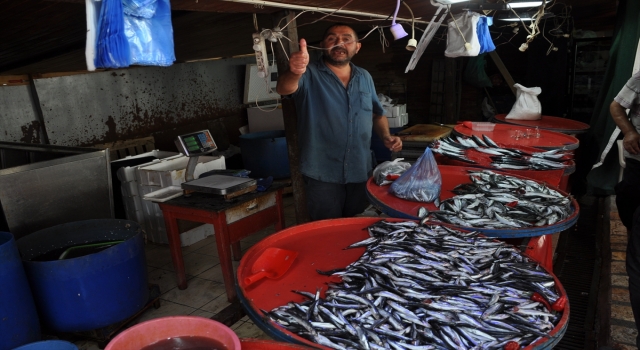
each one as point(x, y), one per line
point(200, 143)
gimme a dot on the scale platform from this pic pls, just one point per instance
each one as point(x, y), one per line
point(220, 184)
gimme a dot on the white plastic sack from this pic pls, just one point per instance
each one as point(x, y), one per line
point(527, 106)
point(386, 172)
point(467, 22)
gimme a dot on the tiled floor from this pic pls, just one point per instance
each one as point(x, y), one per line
point(205, 295)
point(623, 329)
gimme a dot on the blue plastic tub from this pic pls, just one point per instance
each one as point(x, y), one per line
point(18, 317)
point(91, 291)
point(49, 345)
point(265, 154)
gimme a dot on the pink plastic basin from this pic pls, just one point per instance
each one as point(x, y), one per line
point(150, 332)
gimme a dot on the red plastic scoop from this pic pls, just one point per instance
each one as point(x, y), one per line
point(272, 263)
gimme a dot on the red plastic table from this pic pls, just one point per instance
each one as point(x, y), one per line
point(320, 246)
point(262, 344)
point(232, 220)
point(538, 246)
point(557, 124)
point(505, 134)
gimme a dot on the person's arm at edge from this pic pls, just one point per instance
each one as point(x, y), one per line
point(381, 128)
point(288, 81)
point(631, 139)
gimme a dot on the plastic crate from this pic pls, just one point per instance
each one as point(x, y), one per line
point(171, 171)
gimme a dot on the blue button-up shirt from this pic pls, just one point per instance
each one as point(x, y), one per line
point(335, 124)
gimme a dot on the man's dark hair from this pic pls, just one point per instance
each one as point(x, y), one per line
point(326, 32)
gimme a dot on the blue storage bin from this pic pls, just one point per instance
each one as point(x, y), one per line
point(49, 345)
point(265, 154)
point(19, 322)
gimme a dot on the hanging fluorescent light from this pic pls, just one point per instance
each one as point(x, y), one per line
point(522, 16)
point(525, 3)
point(450, 2)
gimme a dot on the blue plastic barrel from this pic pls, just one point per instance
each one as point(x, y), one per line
point(92, 291)
point(265, 154)
point(49, 345)
point(18, 316)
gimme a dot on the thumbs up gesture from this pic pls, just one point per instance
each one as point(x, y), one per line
point(299, 60)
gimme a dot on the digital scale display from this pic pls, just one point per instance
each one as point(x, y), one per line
point(197, 143)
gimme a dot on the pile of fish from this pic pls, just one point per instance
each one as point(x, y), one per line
point(428, 287)
point(503, 158)
point(499, 201)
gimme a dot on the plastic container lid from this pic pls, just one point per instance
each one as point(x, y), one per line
point(479, 126)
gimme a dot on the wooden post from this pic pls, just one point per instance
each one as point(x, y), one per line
point(450, 95)
point(289, 113)
point(503, 70)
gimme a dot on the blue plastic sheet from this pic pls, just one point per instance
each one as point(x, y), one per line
point(140, 8)
point(422, 182)
point(112, 48)
point(486, 43)
point(148, 29)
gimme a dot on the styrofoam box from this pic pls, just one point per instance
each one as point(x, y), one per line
point(171, 171)
point(155, 153)
point(164, 173)
point(148, 214)
point(265, 118)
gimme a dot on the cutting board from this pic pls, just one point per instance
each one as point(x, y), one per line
point(424, 133)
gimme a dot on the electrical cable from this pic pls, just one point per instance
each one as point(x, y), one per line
point(383, 40)
point(327, 15)
point(412, 43)
point(466, 43)
point(413, 31)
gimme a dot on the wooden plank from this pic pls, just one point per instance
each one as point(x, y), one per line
point(503, 70)
point(123, 148)
point(12, 80)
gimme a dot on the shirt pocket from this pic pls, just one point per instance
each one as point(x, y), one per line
point(365, 101)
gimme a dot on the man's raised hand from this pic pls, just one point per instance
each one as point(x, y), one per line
point(299, 60)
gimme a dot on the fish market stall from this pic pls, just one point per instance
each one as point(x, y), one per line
point(316, 287)
point(523, 136)
point(539, 245)
point(557, 124)
point(547, 166)
point(452, 176)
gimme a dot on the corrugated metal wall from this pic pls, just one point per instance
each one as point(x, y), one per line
point(107, 106)
point(18, 118)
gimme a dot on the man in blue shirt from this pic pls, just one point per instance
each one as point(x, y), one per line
point(337, 108)
point(628, 190)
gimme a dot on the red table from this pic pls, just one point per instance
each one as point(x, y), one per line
point(539, 246)
point(232, 220)
point(262, 344)
point(557, 124)
point(505, 134)
point(320, 246)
